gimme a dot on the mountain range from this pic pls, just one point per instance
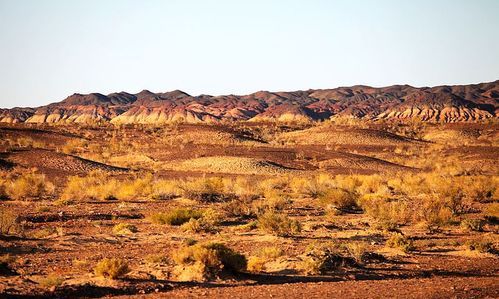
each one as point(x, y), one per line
point(458, 103)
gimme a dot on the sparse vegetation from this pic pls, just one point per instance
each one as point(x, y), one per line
point(80, 263)
point(124, 229)
point(473, 224)
point(47, 232)
point(73, 146)
point(206, 261)
point(323, 259)
point(3, 191)
point(97, 185)
point(177, 223)
point(357, 250)
point(198, 226)
point(399, 241)
point(278, 224)
point(111, 268)
point(51, 281)
point(28, 186)
point(100, 185)
point(240, 207)
point(9, 222)
point(257, 263)
point(273, 201)
point(270, 252)
point(206, 190)
point(480, 245)
point(388, 213)
point(339, 199)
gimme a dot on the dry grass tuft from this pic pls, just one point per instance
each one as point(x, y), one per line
point(124, 229)
point(51, 281)
point(339, 199)
point(28, 186)
point(278, 224)
point(357, 250)
point(399, 241)
point(206, 189)
point(323, 259)
point(484, 244)
point(205, 261)
point(111, 268)
point(264, 255)
point(100, 185)
point(9, 223)
point(473, 225)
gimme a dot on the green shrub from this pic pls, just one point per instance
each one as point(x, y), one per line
point(207, 223)
point(230, 259)
point(256, 264)
point(212, 217)
point(63, 202)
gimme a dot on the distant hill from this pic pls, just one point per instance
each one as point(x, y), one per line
point(459, 103)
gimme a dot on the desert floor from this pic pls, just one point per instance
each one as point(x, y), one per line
point(359, 210)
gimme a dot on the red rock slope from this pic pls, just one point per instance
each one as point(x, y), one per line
point(461, 103)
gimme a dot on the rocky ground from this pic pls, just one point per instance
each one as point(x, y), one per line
point(61, 243)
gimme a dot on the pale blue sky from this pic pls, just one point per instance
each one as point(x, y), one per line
point(50, 49)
